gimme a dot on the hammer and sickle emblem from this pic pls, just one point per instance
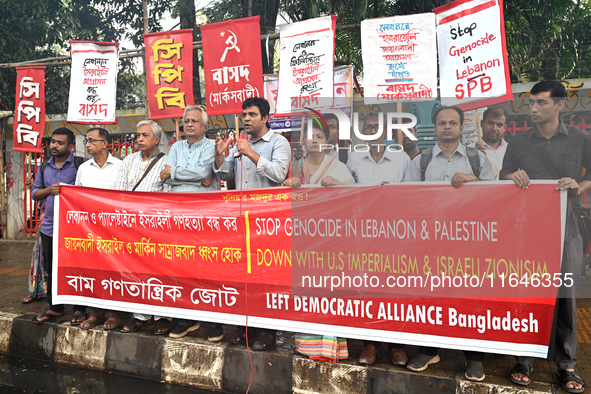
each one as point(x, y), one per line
point(232, 42)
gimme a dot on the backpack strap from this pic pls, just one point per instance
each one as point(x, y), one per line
point(474, 160)
point(426, 156)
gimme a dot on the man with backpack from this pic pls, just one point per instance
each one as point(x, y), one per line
point(452, 162)
point(61, 168)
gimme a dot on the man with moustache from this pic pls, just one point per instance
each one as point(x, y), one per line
point(62, 167)
point(259, 161)
point(493, 125)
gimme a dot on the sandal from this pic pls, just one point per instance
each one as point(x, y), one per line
point(263, 342)
point(570, 376)
point(111, 319)
point(135, 325)
point(28, 299)
point(524, 369)
point(77, 316)
point(238, 337)
point(92, 321)
point(49, 316)
point(162, 327)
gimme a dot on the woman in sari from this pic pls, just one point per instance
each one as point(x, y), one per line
point(319, 168)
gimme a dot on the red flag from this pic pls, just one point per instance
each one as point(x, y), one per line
point(232, 63)
point(29, 114)
point(169, 71)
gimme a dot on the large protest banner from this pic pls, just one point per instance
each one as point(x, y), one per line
point(473, 65)
point(93, 82)
point(233, 64)
point(343, 98)
point(417, 275)
point(399, 58)
point(169, 72)
point(29, 109)
point(306, 64)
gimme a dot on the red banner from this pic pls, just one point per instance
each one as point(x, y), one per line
point(233, 64)
point(169, 71)
point(29, 114)
point(417, 273)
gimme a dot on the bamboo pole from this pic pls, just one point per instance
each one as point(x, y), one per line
point(176, 123)
point(478, 125)
point(146, 100)
point(3, 199)
point(131, 53)
point(399, 134)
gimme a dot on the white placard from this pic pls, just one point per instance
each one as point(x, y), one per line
point(399, 58)
point(471, 57)
point(306, 65)
point(93, 82)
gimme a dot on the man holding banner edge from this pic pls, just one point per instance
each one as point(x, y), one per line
point(553, 150)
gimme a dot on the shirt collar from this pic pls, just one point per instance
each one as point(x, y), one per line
point(266, 137)
point(200, 142)
point(386, 155)
point(503, 144)
point(70, 159)
point(461, 149)
point(562, 129)
point(110, 159)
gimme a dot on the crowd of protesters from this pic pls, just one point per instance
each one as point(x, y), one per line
point(197, 164)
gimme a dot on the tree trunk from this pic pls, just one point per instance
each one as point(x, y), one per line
point(268, 20)
point(187, 15)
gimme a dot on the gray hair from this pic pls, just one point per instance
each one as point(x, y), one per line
point(155, 127)
point(196, 108)
point(373, 115)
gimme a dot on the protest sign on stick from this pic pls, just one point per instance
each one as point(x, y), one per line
point(473, 65)
point(29, 114)
point(93, 82)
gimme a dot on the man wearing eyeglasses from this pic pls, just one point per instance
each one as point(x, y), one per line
point(101, 172)
point(189, 168)
point(377, 164)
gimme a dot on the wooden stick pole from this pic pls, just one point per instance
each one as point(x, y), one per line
point(3, 201)
point(29, 161)
point(477, 115)
point(302, 130)
point(176, 123)
point(237, 125)
point(146, 29)
point(399, 135)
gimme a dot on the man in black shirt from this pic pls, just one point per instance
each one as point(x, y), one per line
point(553, 150)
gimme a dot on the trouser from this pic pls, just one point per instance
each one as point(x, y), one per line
point(47, 244)
point(565, 351)
point(142, 317)
point(99, 312)
point(378, 345)
point(471, 356)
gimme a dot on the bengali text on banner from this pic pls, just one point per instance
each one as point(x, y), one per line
point(169, 72)
point(347, 261)
point(93, 82)
point(29, 113)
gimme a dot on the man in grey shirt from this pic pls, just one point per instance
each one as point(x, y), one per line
point(265, 160)
point(450, 162)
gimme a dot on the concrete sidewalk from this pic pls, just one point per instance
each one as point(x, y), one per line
point(195, 361)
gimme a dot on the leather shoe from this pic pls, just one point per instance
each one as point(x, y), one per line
point(368, 355)
point(398, 357)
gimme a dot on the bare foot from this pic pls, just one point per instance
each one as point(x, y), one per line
point(520, 377)
point(88, 322)
point(111, 322)
point(573, 384)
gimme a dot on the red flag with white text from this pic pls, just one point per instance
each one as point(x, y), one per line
point(29, 112)
point(232, 63)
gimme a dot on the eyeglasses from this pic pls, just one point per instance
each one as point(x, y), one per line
point(91, 140)
point(189, 121)
point(369, 128)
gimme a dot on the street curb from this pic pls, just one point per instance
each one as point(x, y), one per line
point(220, 366)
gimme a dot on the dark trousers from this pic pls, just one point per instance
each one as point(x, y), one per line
point(471, 356)
point(47, 243)
point(565, 351)
point(378, 345)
